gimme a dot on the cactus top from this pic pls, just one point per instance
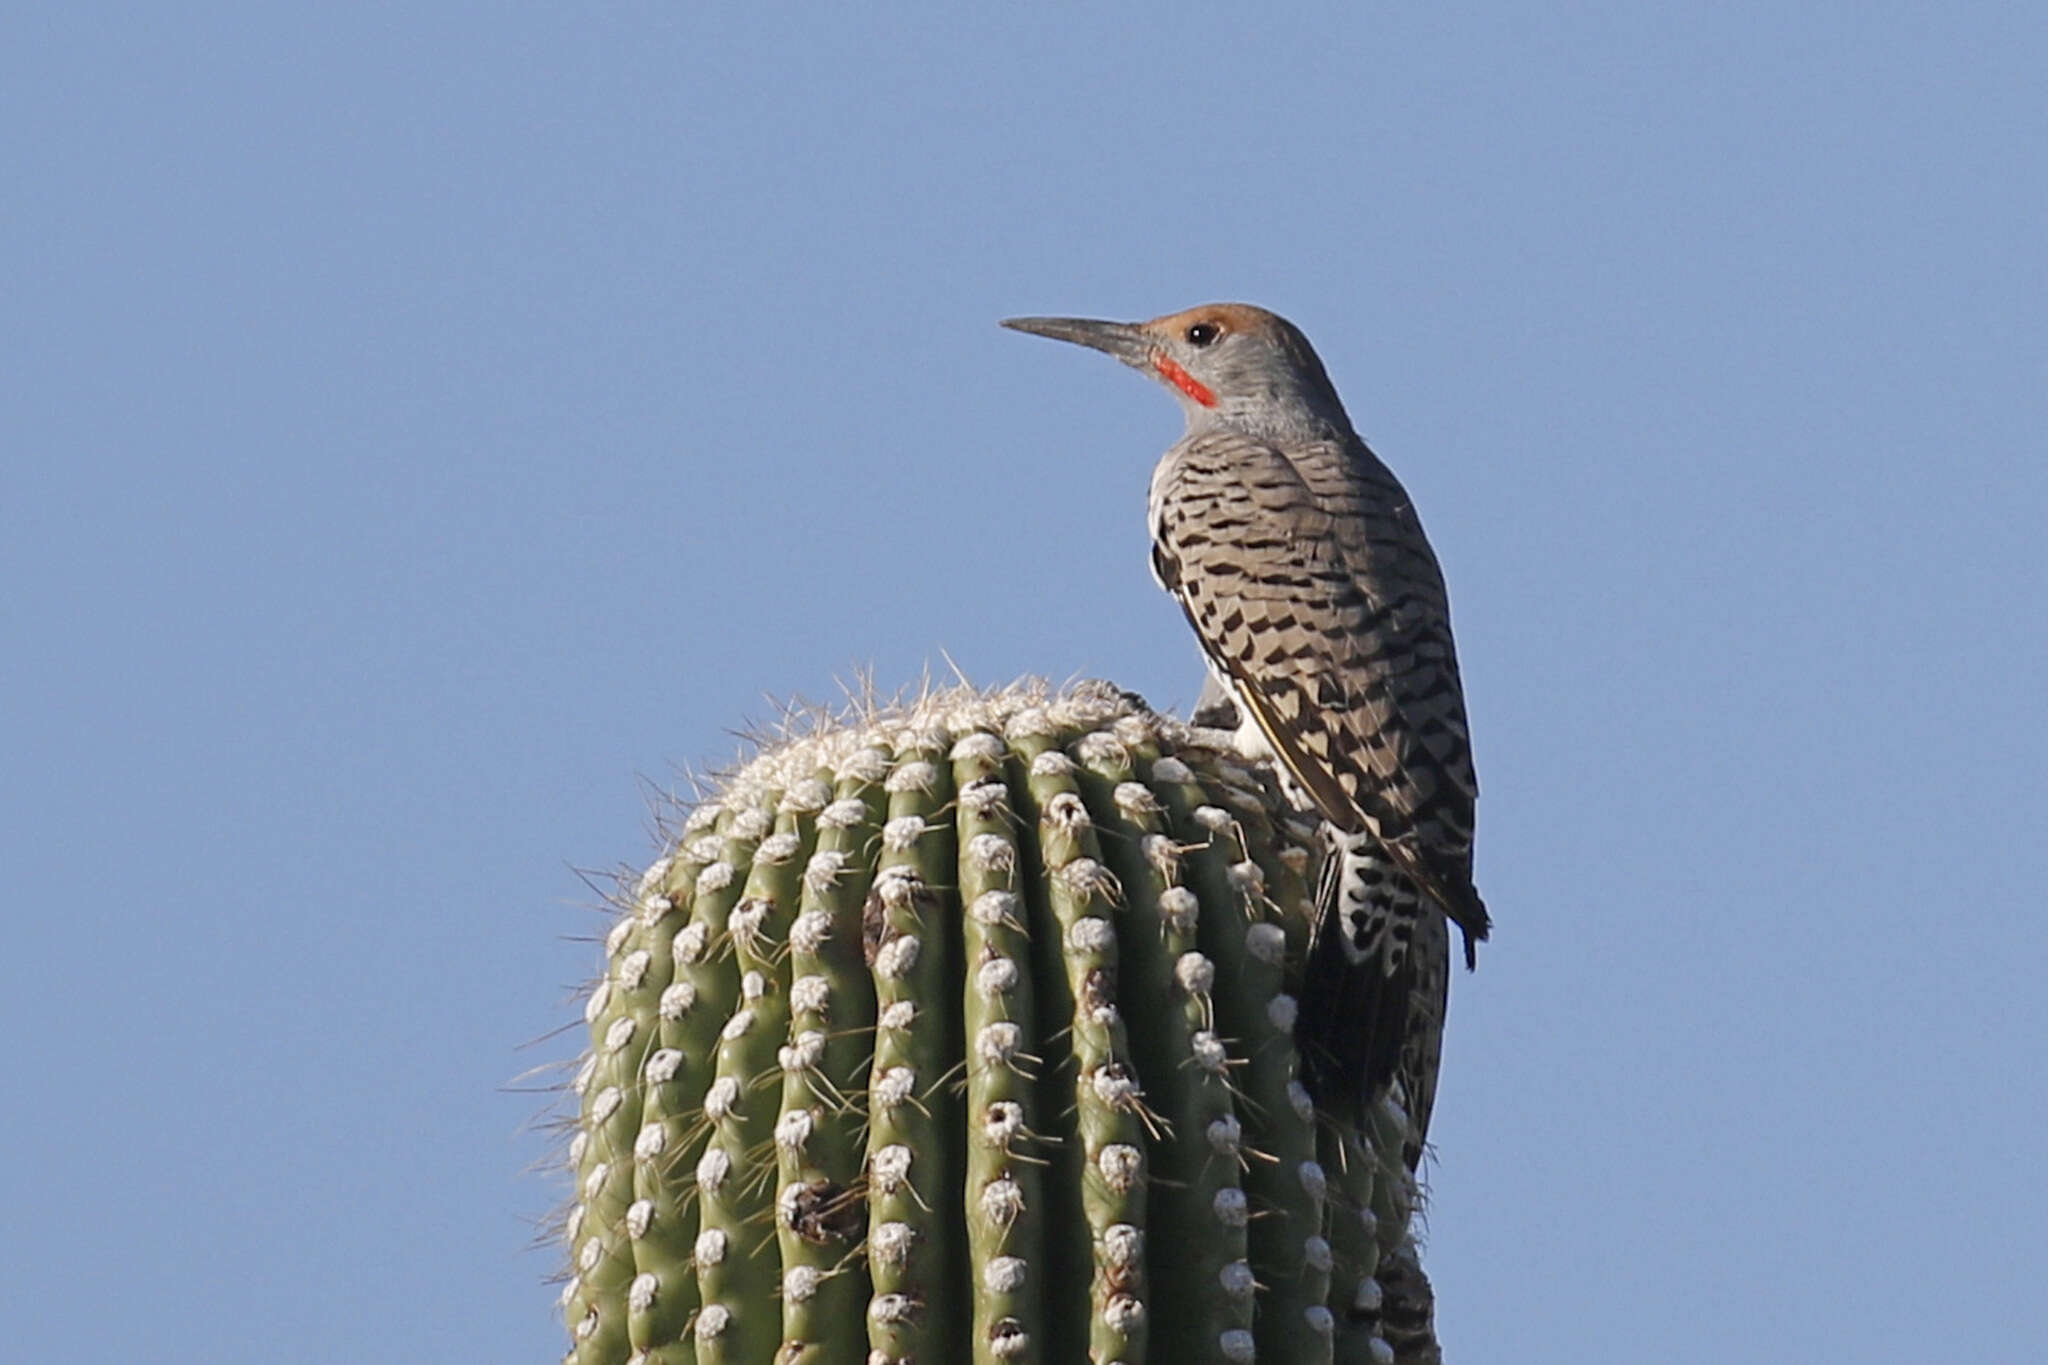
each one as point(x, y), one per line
point(976, 1048)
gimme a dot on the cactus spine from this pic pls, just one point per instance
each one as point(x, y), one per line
point(963, 1033)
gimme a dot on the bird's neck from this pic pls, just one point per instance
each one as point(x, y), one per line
point(1297, 419)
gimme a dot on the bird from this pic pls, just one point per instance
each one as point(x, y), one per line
point(1319, 605)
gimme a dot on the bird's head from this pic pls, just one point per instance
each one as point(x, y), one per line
point(1230, 364)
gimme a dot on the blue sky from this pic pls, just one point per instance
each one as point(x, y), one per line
point(429, 425)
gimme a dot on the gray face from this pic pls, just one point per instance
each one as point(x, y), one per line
point(1229, 364)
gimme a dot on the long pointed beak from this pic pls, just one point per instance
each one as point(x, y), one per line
point(1124, 340)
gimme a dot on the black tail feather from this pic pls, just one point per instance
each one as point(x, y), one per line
point(1354, 1017)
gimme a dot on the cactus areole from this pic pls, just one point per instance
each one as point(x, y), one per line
point(963, 1033)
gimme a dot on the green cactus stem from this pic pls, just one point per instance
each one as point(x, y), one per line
point(1004, 1196)
point(820, 1137)
point(963, 1033)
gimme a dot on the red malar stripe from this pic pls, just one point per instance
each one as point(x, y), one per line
point(1185, 382)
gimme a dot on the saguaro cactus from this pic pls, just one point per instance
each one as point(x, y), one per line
point(962, 1032)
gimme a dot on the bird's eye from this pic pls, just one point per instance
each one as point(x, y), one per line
point(1202, 333)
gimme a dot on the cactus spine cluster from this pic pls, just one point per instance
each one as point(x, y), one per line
point(963, 1033)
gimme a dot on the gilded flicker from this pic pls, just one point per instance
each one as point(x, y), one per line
point(1318, 602)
